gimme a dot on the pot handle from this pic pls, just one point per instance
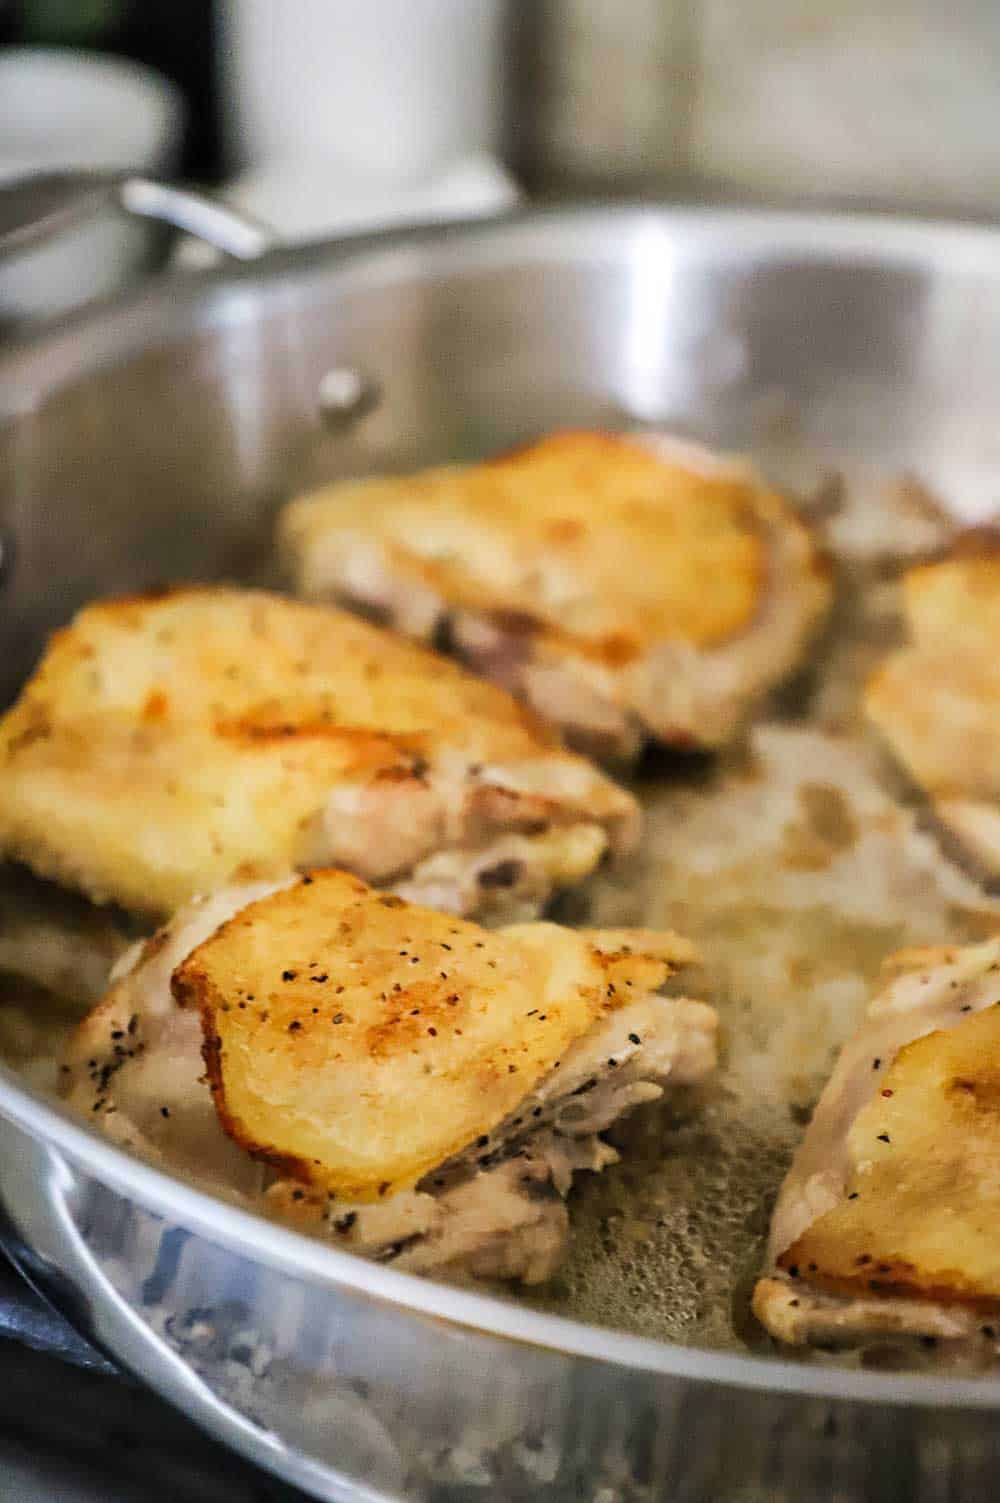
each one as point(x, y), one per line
point(36, 208)
point(229, 230)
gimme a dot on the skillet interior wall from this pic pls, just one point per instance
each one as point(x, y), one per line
point(154, 441)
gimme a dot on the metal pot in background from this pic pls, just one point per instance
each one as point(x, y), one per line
point(602, 94)
point(895, 102)
point(783, 101)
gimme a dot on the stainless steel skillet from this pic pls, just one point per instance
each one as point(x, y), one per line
point(152, 439)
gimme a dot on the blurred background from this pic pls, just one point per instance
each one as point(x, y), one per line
point(325, 115)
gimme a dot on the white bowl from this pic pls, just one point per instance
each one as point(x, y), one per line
point(65, 109)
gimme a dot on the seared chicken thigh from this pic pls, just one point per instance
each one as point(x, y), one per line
point(886, 1226)
point(397, 1079)
point(168, 745)
point(625, 589)
point(937, 700)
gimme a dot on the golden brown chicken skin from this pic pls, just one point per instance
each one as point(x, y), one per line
point(936, 702)
point(167, 745)
point(627, 590)
point(885, 1228)
point(399, 1080)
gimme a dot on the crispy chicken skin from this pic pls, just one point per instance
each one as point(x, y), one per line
point(167, 745)
point(936, 702)
point(399, 1080)
point(886, 1226)
point(626, 589)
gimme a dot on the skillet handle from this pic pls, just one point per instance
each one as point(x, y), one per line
point(228, 230)
point(38, 207)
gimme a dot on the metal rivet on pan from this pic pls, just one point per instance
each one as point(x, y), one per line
point(346, 394)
